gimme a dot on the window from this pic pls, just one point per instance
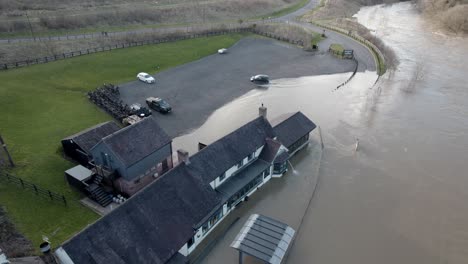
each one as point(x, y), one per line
point(190, 242)
point(250, 157)
point(159, 168)
point(240, 163)
point(279, 167)
point(104, 159)
point(212, 221)
point(222, 176)
point(205, 228)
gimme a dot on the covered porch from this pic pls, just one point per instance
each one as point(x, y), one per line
point(236, 188)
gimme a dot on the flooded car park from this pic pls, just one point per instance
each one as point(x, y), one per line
point(196, 89)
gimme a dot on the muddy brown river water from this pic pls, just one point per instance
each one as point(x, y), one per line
point(403, 196)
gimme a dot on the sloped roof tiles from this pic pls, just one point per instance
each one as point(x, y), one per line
point(135, 142)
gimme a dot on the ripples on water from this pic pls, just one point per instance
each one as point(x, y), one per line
point(402, 198)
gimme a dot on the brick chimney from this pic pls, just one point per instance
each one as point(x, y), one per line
point(183, 156)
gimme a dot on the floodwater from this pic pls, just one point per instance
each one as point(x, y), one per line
point(402, 197)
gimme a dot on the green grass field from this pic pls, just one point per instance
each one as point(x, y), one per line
point(42, 104)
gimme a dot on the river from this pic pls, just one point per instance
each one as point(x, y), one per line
point(402, 197)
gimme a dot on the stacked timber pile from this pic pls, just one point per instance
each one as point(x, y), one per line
point(107, 97)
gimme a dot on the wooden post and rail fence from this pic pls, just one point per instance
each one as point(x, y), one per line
point(37, 190)
point(157, 40)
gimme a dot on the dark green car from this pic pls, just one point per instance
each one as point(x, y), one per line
point(158, 104)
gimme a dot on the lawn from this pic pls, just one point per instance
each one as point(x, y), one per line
point(42, 104)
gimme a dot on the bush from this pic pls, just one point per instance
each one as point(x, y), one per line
point(290, 33)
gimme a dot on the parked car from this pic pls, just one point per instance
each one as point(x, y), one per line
point(261, 78)
point(222, 51)
point(158, 104)
point(144, 77)
point(140, 111)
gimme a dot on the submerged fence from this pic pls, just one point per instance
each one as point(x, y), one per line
point(37, 190)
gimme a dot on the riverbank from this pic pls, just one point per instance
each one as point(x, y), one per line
point(402, 197)
point(337, 15)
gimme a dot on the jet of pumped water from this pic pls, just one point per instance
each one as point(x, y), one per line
point(293, 170)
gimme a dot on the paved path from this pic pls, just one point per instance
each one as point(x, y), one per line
point(362, 54)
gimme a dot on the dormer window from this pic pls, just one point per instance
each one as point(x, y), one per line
point(222, 176)
point(190, 242)
point(250, 157)
point(241, 162)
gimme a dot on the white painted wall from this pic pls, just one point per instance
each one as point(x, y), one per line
point(214, 184)
point(199, 236)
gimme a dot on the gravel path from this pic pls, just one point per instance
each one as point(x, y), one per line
point(198, 88)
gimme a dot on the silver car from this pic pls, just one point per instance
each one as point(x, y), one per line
point(144, 77)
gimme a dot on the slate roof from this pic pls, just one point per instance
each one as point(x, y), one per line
point(178, 259)
point(137, 141)
point(283, 157)
point(216, 158)
point(88, 138)
point(270, 150)
point(151, 226)
point(293, 128)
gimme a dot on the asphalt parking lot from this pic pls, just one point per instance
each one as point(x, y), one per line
point(196, 89)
